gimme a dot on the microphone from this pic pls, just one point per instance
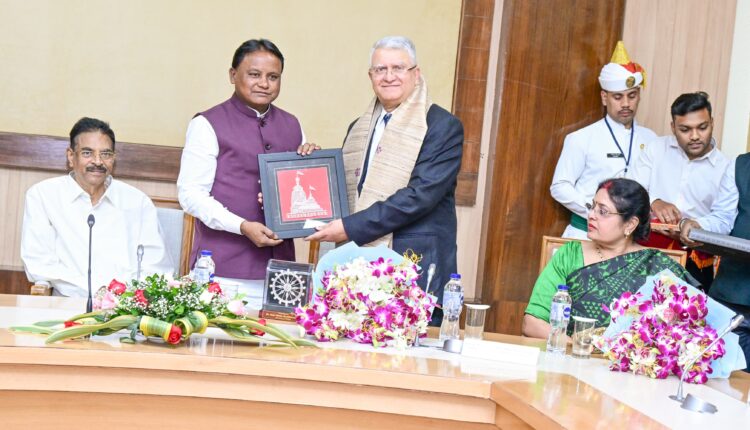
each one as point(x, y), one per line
point(430, 274)
point(91, 221)
point(263, 122)
point(694, 403)
point(139, 254)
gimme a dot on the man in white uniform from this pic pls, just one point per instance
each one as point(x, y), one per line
point(55, 233)
point(605, 149)
point(682, 174)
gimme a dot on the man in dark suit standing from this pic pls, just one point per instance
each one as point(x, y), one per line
point(402, 158)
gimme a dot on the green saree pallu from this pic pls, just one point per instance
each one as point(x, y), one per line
point(598, 284)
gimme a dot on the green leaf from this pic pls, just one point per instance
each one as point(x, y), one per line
point(33, 329)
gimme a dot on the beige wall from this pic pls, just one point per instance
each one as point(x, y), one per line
point(149, 66)
point(737, 119)
point(684, 45)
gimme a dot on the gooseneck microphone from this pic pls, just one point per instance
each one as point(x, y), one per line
point(139, 255)
point(691, 402)
point(430, 274)
point(89, 303)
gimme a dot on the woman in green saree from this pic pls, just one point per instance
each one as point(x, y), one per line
point(600, 270)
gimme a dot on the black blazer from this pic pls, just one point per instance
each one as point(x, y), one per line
point(422, 216)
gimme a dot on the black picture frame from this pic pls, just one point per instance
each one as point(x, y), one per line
point(272, 166)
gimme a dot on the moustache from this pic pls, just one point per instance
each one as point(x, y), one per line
point(101, 169)
point(626, 111)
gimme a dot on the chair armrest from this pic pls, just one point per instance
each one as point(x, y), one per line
point(40, 288)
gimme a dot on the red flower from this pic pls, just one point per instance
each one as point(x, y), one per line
point(256, 331)
point(116, 287)
point(71, 323)
point(140, 298)
point(175, 335)
point(214, 287)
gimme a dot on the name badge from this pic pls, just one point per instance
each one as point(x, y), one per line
point(615, 155)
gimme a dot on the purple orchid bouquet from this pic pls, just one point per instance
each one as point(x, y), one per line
point(372, 302)
point(665, 333)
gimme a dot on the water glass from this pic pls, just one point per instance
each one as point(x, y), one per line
point(583, 331)
point(475, 314)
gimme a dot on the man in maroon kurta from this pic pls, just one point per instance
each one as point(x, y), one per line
point(219, 175)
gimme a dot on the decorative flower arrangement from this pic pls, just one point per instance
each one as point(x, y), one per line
point(373, 302)
point(168, 308)
point(667, 332)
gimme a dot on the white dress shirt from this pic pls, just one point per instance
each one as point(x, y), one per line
point(197, 174)
point(669, 175)
point(590, 156)
point(720, 219)
point(55, 235)
point(377, 134)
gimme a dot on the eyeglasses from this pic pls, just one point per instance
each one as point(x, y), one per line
point(602, 211)
point(105, 155)
point(397, 70)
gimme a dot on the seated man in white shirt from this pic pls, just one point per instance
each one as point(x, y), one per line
point(55, 234)
point(682, 174)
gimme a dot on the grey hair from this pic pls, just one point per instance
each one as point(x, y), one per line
point(396, 42)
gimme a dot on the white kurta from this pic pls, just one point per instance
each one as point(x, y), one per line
point(669, 175)
point(55, 235)
point(590, 156)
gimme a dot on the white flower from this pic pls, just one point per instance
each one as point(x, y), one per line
point(206, 297)
point(346, 320)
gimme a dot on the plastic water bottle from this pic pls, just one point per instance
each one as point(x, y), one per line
point(453, 300)
point(558, 320)
point(204, 269)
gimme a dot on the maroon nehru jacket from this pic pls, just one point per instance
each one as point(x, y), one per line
point(242, 136)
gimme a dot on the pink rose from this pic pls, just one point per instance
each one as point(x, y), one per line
point(116, 287)
point(237, 307)
point(109, 301)
point(140, 298)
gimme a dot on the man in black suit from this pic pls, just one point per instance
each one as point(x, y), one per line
point(402, 158)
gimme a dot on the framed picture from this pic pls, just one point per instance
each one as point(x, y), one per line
point(300, 193)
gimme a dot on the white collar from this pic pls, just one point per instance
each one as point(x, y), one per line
point(712, 155)
point(75, 190)
point(616, 126)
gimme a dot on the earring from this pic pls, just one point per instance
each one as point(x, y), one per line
point(627, 233)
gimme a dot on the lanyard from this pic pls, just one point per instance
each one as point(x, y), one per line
point(630, 149)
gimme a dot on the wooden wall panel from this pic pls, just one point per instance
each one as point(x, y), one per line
point(685, 46)
point(551, 54)
point(470, 89)
point(138, 161)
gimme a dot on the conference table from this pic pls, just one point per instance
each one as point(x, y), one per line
point(212, 382)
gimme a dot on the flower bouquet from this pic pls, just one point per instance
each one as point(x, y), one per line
point(369, 300)
point(662, 327)
point(167, 308)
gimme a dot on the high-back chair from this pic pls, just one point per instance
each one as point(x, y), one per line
point(551, 244)
point(177, 229)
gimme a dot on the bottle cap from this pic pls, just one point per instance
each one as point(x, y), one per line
point(206, 252)
point(455, 276)
point(562, 288)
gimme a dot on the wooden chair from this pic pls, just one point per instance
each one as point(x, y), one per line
point(551, 244)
